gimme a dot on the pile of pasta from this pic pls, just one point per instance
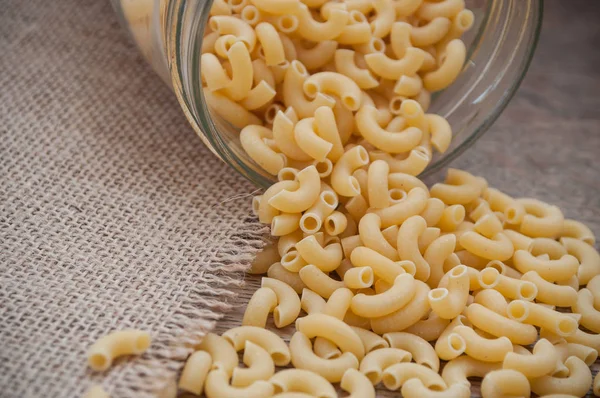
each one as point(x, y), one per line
point(385, 280)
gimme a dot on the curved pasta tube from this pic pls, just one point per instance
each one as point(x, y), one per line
point(578, 230)
point(278, 7)
point(587, 255)
point(549, 293)
point(489, 278)
point(389, 68)
point(124, 342)
point(588, 339)
point(460, 188)
point(229, 110)
point(213, 73)
point(449, 344)
point(551, 270)
point(436, 254)
point(318, 55)
point(405, 182)
point(422, 352)
point(408, 86)
point(406, 316)
point(345, 64)
point(336, 84)
point(542, 362)
point(478, 347)
point(302, 198)
point(332, 370)
point(300, 380)
point(266, 212)
point(385, 15)
point(392, 142)
point(414, 388)
point(357, 32)
point(505, 382)
point(194, 372)
point(252, 139)
point(325, 258)
point(499, 201)
point(284, 224)
point(224, 356)
point(400, 38)
point(342, 180)
point(369, 229)
point(401, 292)
point(318, 281)
point(382, 266)
point(259, 366)
point(449, 302)
point(293, 94)
point(538, 315)
point(309, 141)
point(444, 8)
point(325, 349)
point(394, 376)
point(458, 370)
point(430, 33)
point(326, 128)
point(333, 329)
point(310, 29)
point(338, 303)
point(357, 385)
point(336, 223)
point(577, 383)
point(413, 164)
point(283, 133)
point(288, 303)
point(217, 386)
point(259, 96)
point(266, 339)
point(498, 248)
point(311, 302)
point(271, 44)
point(375, 362)
point(583, 352)
point(441, 132)
point(401, 212)
point(590, 316)
point(408, 243)
point(451, 66)
point(262, 302)
point(500, 326)
point(542, 220)
point(429, 329)
point(229, 25)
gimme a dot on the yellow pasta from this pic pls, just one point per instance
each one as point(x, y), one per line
point(587, 256)
point(499, 325)
point(505, 382)
point(124, 342)
point(542, 362)
point(332, 329)
point(577, 383)
point(374, 363)
point(357, 385)
point(262, 302)
point(259, 366)
point(407, 316)
point(535, 314)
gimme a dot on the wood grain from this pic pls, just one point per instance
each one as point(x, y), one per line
point(546, 144)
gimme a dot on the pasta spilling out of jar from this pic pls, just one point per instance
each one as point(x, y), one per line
point(382, 277)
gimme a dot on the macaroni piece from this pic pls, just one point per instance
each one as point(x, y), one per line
point(374, 363)
point(551, 270)
point(397, 214)
point(229, 25)
point(429, 329)
point(499, 325)
point(427, 237)
point(433, 211)
point(436, 254)
point(310, 29)
point(542, 362)
point(124, 342)
point(288, 303)
point(333, 329)
point(587, 339)
point(259, 366)
point(312, 219)
point(371, 341)
point(318, 281)
point(535, 314)
point(336, 223)
point(252, 139)
point(408, 245)
point(577, 383)
point(292, 261)
point(390, 68)
point(230, 110)
point(325, 258)
point(459, 369)
point(590, 316)
point(346, 65)
point(277, 271)
point(283, 133)
point(498, 248)
point(96, 391)
point(422, 352)
point(395, 375)
point(450, 345)
point(339, 303)
point(449, 302)
point(318, 55)
point(382, 266)
point(301, 380)
point(578, 230)
point(369, 229)
point(266, 339)
point(505, 382)
point(194, 372)
point(430, 33)
point(217, 386)
point(293, 94)
point(585, 353)
point(224, 356)
point(483, 349)
point(459, 188)
point(511, 288)
point(441, 132)
point(359, 278)
point(378, 184)
point(392, 142)
point(262, 302)
point(311, 302)
point(357, 385)
point(588, 257)
point(332, 370)
point(542, 220)
point(406, 316)
point(302, 198)
point(452, 62)
point(342, 180)
point(285, 224)
point(271, 44)
point(393, 299)
point(549, 293)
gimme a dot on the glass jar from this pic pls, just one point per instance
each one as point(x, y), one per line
point(500, 46)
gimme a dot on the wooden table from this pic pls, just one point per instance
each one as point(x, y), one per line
point(546, 144)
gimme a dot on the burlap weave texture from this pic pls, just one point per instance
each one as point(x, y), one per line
point(111, 209)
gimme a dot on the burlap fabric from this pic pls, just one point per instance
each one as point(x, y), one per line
point(112, 213)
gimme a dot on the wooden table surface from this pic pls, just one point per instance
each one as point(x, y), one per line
point(546, 144)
